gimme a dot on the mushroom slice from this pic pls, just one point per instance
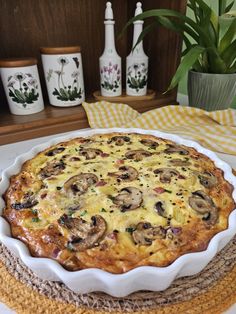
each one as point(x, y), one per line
point(138, 154)
point(84, 235)
point(55, 151)
point(179, 162)
point(54, 167)
point(207, 179)
point(90, 153)
point(145, 233)
point(203, 204)
point(176, 149)
point(119, 140)
point(28, 203)
point(149, 143)
point(125, 173)
point(80, 183)
point(160, 209)
point(166, 174)
point(129, 198)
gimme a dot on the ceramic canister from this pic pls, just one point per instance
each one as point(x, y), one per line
point(64, 75)
point(22, 86)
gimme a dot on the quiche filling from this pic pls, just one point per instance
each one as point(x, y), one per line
point(117, 201)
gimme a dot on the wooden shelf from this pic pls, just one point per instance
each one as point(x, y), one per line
point(57, 120)
point(79, 22)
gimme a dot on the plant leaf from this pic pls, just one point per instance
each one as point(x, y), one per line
point(188, 45)
point(193, 7)
point(229, 54)
point(177, 27)
point(228, 36)
point(145, 31)
point(208, 11)
point(187, 62)
point(216, 62)
point(222, 6)
point(232, 69)
point(209, 21)
point(229, 7)
point(172, 13)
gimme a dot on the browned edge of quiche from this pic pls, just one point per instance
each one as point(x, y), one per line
point(117, 201)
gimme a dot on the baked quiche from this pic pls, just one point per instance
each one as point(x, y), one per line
point(117, 201)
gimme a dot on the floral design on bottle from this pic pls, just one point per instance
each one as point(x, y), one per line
point(63, 92)
point(110, 77)
point(137, 76)
point(23, 88)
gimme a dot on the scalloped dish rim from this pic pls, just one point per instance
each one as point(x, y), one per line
point(140, 278)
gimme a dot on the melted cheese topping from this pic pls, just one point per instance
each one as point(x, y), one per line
point(43, 180)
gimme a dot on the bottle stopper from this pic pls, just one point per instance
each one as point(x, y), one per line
point(108, 11)
point(138, 9)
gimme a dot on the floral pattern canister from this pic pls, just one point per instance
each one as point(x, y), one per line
point(22, 86)
point(64, 75)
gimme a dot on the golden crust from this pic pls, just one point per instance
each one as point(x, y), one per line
point(48, 212)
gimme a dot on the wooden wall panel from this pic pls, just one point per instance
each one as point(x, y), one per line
point(25, 25)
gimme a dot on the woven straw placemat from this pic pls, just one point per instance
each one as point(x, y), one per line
point(211, 291)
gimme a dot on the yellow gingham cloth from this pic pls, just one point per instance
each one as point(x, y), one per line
point(214, 130)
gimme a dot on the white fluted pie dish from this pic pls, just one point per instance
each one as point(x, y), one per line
point(141, 278)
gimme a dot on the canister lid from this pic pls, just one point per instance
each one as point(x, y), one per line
point(17, 62)
point(60, 50)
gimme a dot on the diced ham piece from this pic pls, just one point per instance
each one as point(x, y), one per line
point(159, 190)
point(120, 161)
point(101, 183)
point(104, 155)
point(112, 236)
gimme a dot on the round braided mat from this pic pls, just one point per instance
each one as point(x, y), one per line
point(211, 291)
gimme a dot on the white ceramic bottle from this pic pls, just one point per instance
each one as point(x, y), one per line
point(137, 62)
point(110, 61)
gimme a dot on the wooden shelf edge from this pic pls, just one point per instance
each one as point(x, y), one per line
point(42, 131)
point(55, 120)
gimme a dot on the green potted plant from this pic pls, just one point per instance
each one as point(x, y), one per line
point(209, 56)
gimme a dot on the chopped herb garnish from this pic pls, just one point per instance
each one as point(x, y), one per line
point(92, 190)
point(70, 212)
point(35, 219)
point(103, 210)
point(34, 211)
point(130, 229)
point(84, 213)
point(168, 191)
point(111, 197)
point(70, 247)
point(59, 188)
